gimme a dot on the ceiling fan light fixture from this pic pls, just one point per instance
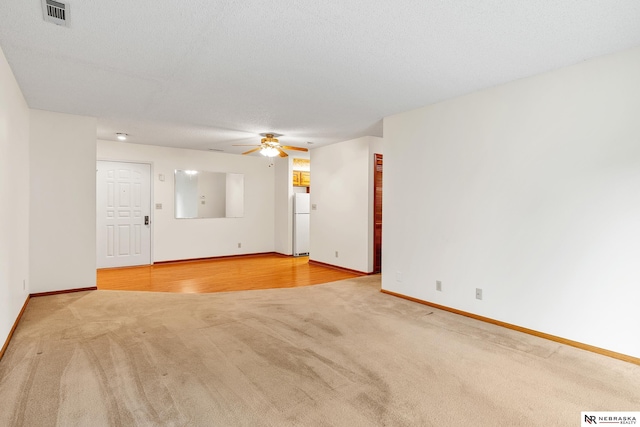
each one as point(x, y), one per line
point(269, 151)
point(269, 138)
point(270, 146)
point(121, 136)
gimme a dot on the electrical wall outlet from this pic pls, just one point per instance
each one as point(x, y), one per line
point(336, 254)
point(239, 245)
point(478, 293)
point(24, 284)
point(438, 285)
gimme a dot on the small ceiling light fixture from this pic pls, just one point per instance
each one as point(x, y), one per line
point(269, 144)
point(121, 136)
point(269, 151)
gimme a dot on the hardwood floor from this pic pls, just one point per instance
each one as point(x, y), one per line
point(219, 275)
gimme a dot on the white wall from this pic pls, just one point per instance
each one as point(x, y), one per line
point(283, 196)
point(342, 190)
point(234, 190)
point(209, 187)
point(14, 199)
point(175, 239)
point(530, 191)
point(186, 201)
point(62, 201)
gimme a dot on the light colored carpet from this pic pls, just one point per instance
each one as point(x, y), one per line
point(338, 354)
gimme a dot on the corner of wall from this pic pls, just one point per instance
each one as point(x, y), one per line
point(62, 248)
point(341, 190)
point(283, 209)
point(14, 200)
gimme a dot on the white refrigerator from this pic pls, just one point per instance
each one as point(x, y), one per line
point(301, 208)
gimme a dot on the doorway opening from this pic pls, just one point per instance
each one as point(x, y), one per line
point(377, 214)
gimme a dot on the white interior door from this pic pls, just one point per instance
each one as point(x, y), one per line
point(123, 208)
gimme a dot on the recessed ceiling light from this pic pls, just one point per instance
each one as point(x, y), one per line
point(121, 136)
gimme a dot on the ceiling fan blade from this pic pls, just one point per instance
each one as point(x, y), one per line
point(287, 147)
point(282, 153)
point(251, 151)
point(246, 145)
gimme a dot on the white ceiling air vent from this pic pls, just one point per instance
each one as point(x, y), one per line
point(56, 12)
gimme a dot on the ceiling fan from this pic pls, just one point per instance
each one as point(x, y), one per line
point(270, 147)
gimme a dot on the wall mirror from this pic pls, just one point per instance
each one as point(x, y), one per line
point(202, 194)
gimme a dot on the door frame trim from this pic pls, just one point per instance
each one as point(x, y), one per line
point(152, 218)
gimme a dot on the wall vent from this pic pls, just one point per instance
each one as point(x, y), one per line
point(55, 12)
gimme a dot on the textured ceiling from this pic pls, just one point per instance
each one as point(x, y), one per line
point(208, 74)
